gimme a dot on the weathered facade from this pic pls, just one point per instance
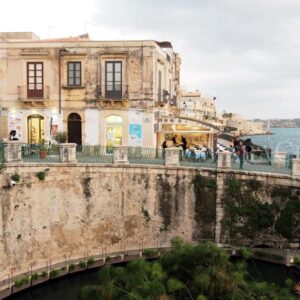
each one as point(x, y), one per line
point(99, 92)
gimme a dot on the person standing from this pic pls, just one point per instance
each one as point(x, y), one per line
point(248, 145)
point(164, 146)
point(240, 153)
point(174, 141)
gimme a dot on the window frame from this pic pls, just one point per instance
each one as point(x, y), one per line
point(114, 93)
point(35, 92)
point(74, 77)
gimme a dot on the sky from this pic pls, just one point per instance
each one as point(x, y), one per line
point(246, 53)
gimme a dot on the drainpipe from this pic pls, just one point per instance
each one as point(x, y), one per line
point(59, 80)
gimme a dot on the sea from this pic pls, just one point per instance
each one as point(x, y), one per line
point(281, 139)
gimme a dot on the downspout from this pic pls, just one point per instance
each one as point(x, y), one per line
point(59, 80)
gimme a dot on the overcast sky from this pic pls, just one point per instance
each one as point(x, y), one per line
point(244, 52)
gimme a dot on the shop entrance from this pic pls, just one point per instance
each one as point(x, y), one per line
point(36, 129)
point(113, 131)
point(74, 129)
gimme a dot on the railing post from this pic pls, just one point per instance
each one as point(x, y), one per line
point(224, 160)
point(172, 156)
point(280, 158)
point(296, 167)
point(120, 155)
point(67, 152)
point(12, 151)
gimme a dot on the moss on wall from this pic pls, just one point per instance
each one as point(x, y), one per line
point(205, 207)
point(258, 213)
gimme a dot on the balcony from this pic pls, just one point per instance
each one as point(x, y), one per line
point(39, 96)
point(118, 93)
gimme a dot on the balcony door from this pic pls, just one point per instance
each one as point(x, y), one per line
point(113, 79)
point(35, 80)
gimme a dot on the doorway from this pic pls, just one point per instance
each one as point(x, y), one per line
point(74, 129)
point(36, 129)
point(113, 131)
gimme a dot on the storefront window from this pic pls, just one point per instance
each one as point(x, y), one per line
point(113, 131)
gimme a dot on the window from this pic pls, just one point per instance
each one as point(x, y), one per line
point(35, 80)
point(74, 73)
point(113, 79)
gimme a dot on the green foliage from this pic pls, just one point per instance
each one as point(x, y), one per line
point(71, 267)
point(61, 137)
point(205, 206)
point(90, 261)
point(22, 281)
point(41, 175)
point(35, 276)
point(150, 252)
point(202, 272)
point(54, 273)
point(247, 214)
point(297, 260)
point(245, 252)
point(146, 214)
point(15, 177)
point(44, 274)
point(82, 264)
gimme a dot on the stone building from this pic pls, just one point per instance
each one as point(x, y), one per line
point(100, 92)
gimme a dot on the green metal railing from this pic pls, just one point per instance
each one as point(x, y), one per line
point(94, 154)
point(203, 160)
point(1, 153)
point(149, 156)
point(263, 164)
point(40, 153)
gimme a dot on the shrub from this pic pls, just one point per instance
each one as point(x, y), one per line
point(245, 252)
point(297, 260)
point(90, 262)
point(22, 281)
point(35, 276)
point(82, 264)
point(15, 177)
point(44, 274)
point(71, 267)
point(54, 273)
point(150, 252)
point(61, 137)
point(41, 175)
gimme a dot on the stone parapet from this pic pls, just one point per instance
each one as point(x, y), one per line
point(172, 156)
point(12, 151)
point(296, 167)
point(67, 152)
point(224, 160)
point(120, 155)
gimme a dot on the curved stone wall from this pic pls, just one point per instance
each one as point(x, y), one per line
point(81, 210)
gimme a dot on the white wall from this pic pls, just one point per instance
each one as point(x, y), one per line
point(92, 125)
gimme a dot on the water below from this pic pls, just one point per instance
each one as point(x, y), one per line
point(281, 139)
point(67, 288)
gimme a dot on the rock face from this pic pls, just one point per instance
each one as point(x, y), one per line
point(80, 210)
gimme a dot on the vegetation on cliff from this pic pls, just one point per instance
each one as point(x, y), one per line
point(261, 214)
point(201, 272)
